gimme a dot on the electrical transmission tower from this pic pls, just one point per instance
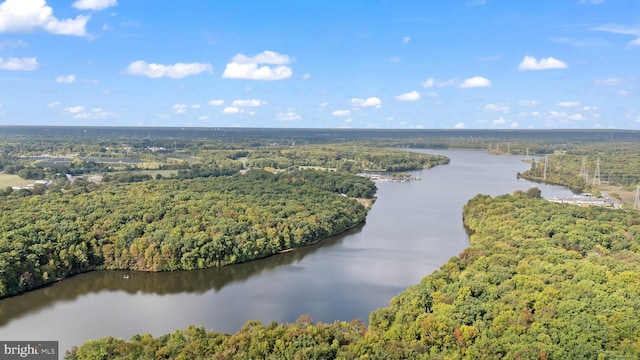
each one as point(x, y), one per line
point(596, 175)
point(583, 171)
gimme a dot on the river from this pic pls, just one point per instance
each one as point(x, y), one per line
point(412, 229)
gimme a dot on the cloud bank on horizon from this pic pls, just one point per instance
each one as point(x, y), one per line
point(457, 64)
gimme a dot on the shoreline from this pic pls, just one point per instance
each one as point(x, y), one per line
point(100, 268)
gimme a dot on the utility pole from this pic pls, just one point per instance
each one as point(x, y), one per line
point(546, 158)
point(596, 175)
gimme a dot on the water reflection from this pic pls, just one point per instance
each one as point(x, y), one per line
point(412, 229)
point(163, 283)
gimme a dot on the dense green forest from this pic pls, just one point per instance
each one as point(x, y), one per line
point(539, 280)
point(170, 224)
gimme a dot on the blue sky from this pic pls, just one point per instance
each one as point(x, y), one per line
point(474, 64)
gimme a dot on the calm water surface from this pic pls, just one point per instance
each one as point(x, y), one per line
point(412, 230)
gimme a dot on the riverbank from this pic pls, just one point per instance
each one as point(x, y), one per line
point(412, 230)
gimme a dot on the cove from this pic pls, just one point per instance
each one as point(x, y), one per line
point(412, 229)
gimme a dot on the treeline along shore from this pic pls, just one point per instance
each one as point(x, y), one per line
point(540, 280)
point(162, 225)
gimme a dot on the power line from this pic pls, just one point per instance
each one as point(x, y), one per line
point(596, 175)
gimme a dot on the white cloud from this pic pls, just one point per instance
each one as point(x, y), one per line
point(306, 76)
point(75, 109)
point(203, 117)
point(196, 106)
point(244, 67)
point(176, 71)
point(406, 39)
point(514, 124)
point(67, 79)
point(32, 15)
point(459, 125)
point(410, 96)
point(341, 113)
point(531, 63)
point(558, 114)
point(395, 59)
point(529, 102)
point(476, 81)
point(216, 102)
point(179, 108)
point(431, 82)
point(621, 30)
point(579, 43)
point(94, 4)
point(624, 93)
point(232, 110)
point(288, 116)
point(499, 121)
point(248, 103)
point(575, 117)
point(21, 64)
point(371, 101)
point(95, 113)
point(591, 2)
point(54, 104)
point(497, 107)
point(609, 82)
point(569, 103)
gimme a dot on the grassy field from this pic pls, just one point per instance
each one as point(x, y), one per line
point(13, 180)
point(627, 197)
point(164, 173)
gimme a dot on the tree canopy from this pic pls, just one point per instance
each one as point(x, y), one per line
point(539, 280)
point(159, 225)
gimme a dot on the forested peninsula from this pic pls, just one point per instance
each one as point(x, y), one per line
point(172, 224)
point(539, 280)
point(74, 200)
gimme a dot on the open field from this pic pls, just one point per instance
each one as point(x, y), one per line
point(618, 192)
point(164, 173)
point(13, 180)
